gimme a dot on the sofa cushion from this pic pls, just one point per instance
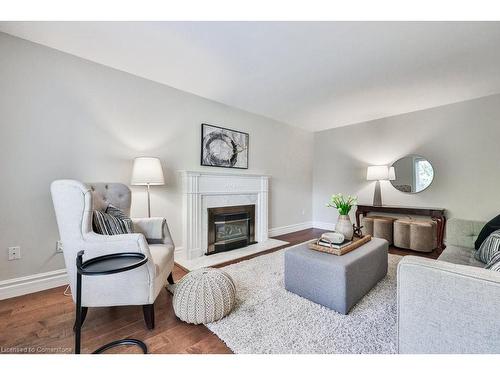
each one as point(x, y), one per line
point(489, 247)
point(490, 227)
point(460, 255)
point(463, 233)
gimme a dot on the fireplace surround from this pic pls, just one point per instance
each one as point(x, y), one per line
point(203, 190)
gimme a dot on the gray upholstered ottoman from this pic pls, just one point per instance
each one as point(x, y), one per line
point(337, 282)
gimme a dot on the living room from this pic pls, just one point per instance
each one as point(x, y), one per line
point(238, 187)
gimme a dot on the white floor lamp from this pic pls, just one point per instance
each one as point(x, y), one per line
point(147, 171)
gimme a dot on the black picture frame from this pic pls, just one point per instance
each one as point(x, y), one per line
point(227, 133)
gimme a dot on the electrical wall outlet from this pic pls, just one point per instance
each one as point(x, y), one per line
point(14, 253)
point(59, 247)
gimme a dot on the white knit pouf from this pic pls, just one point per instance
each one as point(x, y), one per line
point(204, 296)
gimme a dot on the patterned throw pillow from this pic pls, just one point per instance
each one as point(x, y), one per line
point(112, 222)
point(489, 227)
point(494, 263)
point(489, 247)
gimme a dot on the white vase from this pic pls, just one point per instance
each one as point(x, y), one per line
point(344, 226)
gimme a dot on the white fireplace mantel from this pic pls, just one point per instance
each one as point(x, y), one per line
point(203, 190)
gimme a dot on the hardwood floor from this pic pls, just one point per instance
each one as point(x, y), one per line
point(43, 322)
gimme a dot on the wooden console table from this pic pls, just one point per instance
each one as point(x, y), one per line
point(436, 214)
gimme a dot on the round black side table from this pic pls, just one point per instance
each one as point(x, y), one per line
point(104, 265)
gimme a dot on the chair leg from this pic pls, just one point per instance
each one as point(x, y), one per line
point(149, 315)
point(84, 315)
point(170, 279)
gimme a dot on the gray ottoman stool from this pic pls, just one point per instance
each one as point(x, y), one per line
point(379, 226)
point(367, 224)
point(336, 282)
point(415, 235)
point(402, 233)
point(423, 236)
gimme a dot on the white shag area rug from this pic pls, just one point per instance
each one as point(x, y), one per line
point(269, 319)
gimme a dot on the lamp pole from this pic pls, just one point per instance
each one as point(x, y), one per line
point(149, 202)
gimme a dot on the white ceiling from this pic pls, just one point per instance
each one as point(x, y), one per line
point(315, 75)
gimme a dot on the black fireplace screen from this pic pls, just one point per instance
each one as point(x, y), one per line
point(230, 228)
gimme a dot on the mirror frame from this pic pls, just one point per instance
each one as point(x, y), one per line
point(420, 156)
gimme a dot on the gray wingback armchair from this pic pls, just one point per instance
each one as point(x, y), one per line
point(74, 202)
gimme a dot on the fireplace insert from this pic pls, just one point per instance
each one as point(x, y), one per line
point(230, 228)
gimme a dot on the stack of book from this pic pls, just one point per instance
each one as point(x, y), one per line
point(328, 240)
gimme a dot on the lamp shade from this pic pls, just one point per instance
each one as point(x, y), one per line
point(392, 174)
point(377, 172)
point(147, 171)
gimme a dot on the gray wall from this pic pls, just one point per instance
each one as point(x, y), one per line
point(462, 141)
point(65, 117)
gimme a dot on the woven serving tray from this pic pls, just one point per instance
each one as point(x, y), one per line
point(356, 242)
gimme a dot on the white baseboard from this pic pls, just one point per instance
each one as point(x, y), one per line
point(323, 225)
point(278, 231)
point(31, 284)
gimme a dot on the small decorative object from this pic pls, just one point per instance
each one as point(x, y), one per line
point(357, 230)
point(221, 147)
point(147, 171)
point(343, 206)
point(204, 296)
point(344, 226)
point(333, 237)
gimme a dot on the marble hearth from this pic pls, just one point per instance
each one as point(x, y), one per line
point(203, 190)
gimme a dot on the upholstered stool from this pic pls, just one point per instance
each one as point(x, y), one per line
point(402, 233)
point(367, 224)
point(204, 296)
point(379, 226)
point(415, 235)
point(382, 228)
point(336, 282)
point(423, 236)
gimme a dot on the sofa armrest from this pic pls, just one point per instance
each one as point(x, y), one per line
point(155, 229)
point(447, 308)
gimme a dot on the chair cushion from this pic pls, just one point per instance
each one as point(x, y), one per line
point(163, 256)
point(111, 222)
point(460, 255)
point(490, 227)
point(489, 247)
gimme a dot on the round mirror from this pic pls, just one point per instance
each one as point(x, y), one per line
point(413, 174)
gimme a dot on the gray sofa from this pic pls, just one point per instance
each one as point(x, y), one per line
point(449, 305)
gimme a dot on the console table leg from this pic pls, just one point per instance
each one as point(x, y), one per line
point(440, 221)
point(358, 220)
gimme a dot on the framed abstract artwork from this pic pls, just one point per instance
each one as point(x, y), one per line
point(221, 147)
